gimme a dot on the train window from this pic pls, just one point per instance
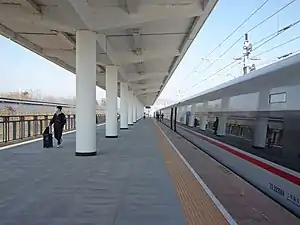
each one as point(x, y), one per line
point(277, 98)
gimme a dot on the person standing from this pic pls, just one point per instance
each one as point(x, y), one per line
point(59, 120)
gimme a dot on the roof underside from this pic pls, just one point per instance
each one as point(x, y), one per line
point(146, 38)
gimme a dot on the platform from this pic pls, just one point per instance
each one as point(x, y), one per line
point(135, 179)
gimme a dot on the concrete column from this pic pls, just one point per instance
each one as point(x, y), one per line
point(111, 102)
point(134, 109)
point(130, 111)
point(261, 123)
point(223, 118)
point(192, 117)
point(124, 106)
point(85, 93)
point(203, 117)
point(139, 110)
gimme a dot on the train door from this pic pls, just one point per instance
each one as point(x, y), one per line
point(171, 119)
point(175, 119)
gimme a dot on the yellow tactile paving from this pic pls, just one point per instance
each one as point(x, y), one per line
point(197, 206)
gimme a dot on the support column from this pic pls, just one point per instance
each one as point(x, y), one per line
point(192, 116)
point(223, 118)
point(85, 93)
point(261, 123)
point(111, 102)
point(203, 117)
point(130, 111)
point(124, 106)
point(134, 109)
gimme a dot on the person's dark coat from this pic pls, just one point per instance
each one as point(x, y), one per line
point(59, 120)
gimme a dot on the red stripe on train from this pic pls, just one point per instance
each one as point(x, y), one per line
point(290, 177)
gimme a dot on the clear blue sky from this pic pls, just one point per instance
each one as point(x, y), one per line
point(22, 69)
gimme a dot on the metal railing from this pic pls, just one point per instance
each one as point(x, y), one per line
point(18, 128)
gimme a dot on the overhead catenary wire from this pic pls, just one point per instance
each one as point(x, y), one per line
point(276, 34)
point(278, 46)
point(228, 36)
point(231, 46)
point(238, 63)
point(272, 15)
point(212, 75)
point(251, 29)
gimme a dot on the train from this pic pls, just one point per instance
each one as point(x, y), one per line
point(263, 104)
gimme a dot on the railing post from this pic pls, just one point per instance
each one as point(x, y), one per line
point(69, 122)
point(5, 133)
point(28, 128)
point(14, 129)
point(35, 130)
point(22, 127)
point(41, 125)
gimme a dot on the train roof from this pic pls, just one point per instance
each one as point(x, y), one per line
point(282, 73)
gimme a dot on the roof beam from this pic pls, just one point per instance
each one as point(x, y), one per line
point(154, 90)
point(203, 4)
point(103, 19)
point(143, 86)
point(67, 38)
point(140, 67)
point(137, 42)
point(30, 4)
point(106, 47)
point(19, 39)
point(137, 77)
point(128, 57)
point(132, 6)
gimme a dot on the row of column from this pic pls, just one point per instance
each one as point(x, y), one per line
point(260, 125)
point(130, 109)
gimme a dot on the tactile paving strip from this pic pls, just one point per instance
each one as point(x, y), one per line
point(197, 206)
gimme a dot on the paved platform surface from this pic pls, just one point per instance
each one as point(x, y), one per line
point(136, 179)
point(246, 204)
point(125, 184)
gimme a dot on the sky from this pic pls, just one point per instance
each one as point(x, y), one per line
point(24, 70)
point(191, 76)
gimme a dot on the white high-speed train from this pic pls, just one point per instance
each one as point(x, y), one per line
point(258, 133)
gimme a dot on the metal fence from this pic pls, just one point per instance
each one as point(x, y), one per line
point(18, 128)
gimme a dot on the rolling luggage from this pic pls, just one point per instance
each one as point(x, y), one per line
point(47, 138)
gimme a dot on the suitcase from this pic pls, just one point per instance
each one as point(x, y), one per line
point(47, 138)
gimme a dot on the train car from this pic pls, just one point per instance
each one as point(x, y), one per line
point(263, 107)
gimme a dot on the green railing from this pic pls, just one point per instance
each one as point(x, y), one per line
point(20, 128)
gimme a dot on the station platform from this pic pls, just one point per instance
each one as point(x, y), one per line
point(137, 179)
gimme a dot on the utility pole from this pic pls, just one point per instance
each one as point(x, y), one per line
point(246, 56)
